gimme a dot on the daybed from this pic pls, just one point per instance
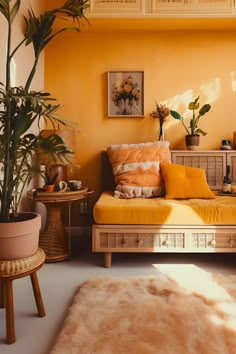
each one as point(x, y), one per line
point(158, 224)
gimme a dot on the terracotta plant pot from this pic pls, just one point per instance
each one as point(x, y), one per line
point(192, 142)
point(20, 239)
point(49, 188)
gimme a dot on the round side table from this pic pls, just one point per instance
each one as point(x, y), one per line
point(54, 239)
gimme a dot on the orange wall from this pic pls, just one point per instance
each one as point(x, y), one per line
point(178, 65)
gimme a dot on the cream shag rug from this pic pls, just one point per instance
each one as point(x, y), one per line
point(151, 315)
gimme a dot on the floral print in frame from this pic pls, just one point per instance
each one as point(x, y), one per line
point(125, 93)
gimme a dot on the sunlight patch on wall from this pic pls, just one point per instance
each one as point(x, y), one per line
point(181, 101)
point(209, 92)
point(233, 80)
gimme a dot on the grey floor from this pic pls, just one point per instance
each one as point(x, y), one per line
point(59, 282)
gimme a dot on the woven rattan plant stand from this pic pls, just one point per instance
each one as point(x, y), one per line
point(15, 269)
point(54, 239)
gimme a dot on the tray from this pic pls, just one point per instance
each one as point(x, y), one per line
point(66, 195)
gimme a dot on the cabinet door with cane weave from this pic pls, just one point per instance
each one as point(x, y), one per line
point(213, 162)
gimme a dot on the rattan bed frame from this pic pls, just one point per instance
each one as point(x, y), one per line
point(158, 238)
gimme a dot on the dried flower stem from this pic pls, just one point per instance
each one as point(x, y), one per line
point(161, 113)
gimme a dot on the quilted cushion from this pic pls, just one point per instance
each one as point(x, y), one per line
point(183, 182)
point(136, 168)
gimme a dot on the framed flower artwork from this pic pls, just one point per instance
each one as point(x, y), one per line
point(125, 93)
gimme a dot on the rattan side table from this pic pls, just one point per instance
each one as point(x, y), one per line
point(54, 239)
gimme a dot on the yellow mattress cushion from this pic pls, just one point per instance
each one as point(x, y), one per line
point(154, 211)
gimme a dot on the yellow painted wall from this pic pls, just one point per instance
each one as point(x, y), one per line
point(178, 65)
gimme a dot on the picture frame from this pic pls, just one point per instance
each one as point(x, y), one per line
point(125, 93)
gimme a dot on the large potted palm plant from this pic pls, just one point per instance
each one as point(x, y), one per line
point(21, 108)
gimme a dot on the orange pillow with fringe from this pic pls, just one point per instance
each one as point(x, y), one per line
point(183, 182)
point(136, 168)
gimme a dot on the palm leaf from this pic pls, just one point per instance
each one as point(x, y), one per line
point(14, 10)
point(5, 8)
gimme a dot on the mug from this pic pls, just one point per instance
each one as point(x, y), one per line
point(74, 185)
point(61, 186)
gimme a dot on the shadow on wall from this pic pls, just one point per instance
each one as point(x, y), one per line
point(209, 92)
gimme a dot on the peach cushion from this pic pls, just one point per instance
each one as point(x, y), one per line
point(136, 168)
point(183, 182)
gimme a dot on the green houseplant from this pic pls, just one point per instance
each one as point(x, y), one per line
point(50, 180)
point(21, 107)
point(193, 131)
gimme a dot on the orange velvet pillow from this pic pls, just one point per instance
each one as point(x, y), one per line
point(183, 182)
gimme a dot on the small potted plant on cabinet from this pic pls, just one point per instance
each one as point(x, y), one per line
point(20, 108)
point(193, 131)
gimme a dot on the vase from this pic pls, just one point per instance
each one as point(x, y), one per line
point(61, 170)
point(161, 133)
point(125, 106)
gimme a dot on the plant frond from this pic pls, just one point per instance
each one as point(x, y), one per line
point(5, 9)
point(14, 10)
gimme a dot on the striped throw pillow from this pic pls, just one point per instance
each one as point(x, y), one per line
point(136, 168)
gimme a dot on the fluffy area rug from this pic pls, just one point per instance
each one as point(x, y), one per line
point(151, 315)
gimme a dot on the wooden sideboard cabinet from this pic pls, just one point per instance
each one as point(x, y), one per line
point(214, 163)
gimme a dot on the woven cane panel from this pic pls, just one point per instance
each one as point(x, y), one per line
point(54, 239)
point(232, 163)
point(136, 240)
point(200, 241)
point(214, 167)
point(212, 240)
point(53, 246)
point(210, 7)
point(23, 265)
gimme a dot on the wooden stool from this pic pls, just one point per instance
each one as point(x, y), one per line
point(15, 269)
